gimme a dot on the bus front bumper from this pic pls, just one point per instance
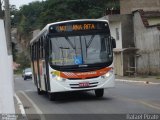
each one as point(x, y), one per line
point(82, 85)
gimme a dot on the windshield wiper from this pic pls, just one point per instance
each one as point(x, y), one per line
point(90, 41)
point(70, 42)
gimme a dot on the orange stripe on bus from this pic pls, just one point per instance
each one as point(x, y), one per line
point(83, 75)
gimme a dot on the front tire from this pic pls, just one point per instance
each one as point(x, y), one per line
point(52, 96)
point(99, 92)
point(39, 91)
point(25, 78)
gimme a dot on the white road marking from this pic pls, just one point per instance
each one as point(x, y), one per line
point(20, 106)
point(132, 81)
point(35, 106)
point(29, 90)
point(150, 105)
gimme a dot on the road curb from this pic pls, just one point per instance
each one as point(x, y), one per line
point(133, 81)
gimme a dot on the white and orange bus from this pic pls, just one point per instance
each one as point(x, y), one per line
point(74, 55)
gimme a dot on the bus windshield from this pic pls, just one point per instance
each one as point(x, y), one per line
point(80, 50)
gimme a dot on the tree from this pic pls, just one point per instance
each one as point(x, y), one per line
point(42, 13)
point(37, 14)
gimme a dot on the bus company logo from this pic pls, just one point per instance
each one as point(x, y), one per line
point(87, 73)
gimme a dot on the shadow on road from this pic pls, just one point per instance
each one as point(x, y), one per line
point(67, 97)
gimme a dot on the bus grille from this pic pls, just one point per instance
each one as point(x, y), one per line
point(80, 78)
point(76, 86)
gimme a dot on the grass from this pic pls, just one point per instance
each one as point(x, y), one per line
point(158, 77)
point(17, 72)
point(144, 76)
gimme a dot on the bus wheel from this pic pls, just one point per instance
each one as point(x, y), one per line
point(52, 96)
point(99, 92)
point(39, 91)
point(25, 78)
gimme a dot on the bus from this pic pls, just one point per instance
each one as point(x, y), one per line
point(73, 55)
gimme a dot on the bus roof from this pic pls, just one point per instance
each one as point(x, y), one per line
point(46, 28)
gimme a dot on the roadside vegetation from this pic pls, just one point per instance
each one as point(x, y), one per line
point(37, 14)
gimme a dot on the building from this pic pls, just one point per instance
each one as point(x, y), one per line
point(121, 27)
point(137, 34)
point(146, 26)
point(127, 6)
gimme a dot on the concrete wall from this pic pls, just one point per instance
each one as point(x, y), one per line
point(148, 42)
point(127, 6)
point(127, 31)
point(124, 23)
point(116, 32)
point(6, 80)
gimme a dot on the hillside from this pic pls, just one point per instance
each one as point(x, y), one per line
point(37, 14)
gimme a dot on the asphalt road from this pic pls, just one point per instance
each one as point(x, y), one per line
point(119, 102)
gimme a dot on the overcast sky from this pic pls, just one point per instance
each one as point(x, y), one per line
point(19, 3)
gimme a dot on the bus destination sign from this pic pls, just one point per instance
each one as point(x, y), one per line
point(75, 27)
point(78, 27)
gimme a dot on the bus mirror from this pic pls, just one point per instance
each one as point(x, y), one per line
point(113, 42)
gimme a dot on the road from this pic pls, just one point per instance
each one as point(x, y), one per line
point(124, 99)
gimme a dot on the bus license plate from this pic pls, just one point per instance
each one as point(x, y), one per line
point(85, 84)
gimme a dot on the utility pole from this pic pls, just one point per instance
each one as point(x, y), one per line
point(1, 11)
point(8, 27)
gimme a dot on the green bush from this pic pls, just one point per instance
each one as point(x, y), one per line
point(23, 60)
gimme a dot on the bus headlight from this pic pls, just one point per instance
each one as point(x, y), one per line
point(107, 75)
point(60, 79)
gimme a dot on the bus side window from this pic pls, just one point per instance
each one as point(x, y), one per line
point(30, 51)
point(43, 51)
point(38, 47)
point(42, 45)
point(41, 48)
point(34, 51)
point(37, 50)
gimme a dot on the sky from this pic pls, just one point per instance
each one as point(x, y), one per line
point(19, 3)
